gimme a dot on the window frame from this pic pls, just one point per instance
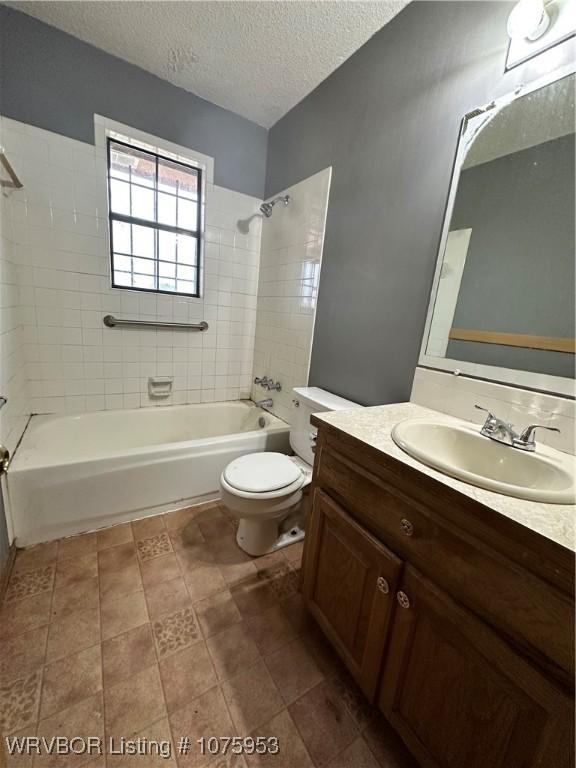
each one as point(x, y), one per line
point(156, 226)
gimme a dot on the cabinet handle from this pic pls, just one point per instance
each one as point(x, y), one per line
point(403, 599)
point(407, 527)
point(382, 585)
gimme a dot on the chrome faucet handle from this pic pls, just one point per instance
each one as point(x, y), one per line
point(481, 408)
point(526, 442)
point(497, 429)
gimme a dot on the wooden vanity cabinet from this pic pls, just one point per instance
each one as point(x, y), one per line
point(380, 576)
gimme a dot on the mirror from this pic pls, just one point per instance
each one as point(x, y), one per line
point(503, 301)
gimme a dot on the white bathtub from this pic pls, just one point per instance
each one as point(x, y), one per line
point(77, 473)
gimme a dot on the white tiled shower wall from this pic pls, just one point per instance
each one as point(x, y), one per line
point(457, 395)
point(290, 261)
point(13, 386)
point(56, 230)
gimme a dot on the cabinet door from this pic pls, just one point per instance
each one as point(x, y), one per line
point(349, 583)
point(460, 696)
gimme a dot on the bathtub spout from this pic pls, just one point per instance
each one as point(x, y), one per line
point(268, 403)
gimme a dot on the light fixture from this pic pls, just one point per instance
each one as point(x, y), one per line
point(528, 20)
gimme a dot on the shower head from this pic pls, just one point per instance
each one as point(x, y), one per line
point(266, 208)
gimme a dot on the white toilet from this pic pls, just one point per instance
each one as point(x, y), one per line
point(264, 490)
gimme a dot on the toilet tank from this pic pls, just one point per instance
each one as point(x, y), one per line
point(309, 400)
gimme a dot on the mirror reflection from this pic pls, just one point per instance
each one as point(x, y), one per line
point(505, 294)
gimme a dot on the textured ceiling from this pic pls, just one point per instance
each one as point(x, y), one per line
point(255, 58)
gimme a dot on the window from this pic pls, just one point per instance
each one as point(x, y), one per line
point(155, 221)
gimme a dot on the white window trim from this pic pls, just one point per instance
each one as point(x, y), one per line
point(105, 128)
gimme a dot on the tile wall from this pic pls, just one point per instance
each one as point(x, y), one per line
point(290, 262)
point(457, 395)
point(13, 386)
point(56, 236)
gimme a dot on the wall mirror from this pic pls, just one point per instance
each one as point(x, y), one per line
point(502, 305)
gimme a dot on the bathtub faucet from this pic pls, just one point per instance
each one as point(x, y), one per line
point(268, 403)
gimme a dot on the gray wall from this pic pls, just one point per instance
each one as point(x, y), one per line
point(388, 121)
point(54, 81)
point(519, 271)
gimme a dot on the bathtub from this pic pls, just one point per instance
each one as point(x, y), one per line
point(77, 473)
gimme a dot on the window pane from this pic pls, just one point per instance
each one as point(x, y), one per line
point(187, 214)
point(132, 164)
point(142, 203)
point(172, 177)
point(143, 281)
point(165, 269)
point(166, 245)
point(186, 273)
point(143, 241)
point(186, 287)
point(121, 237)
point(165, 284)
point(122, 278)
point(119, 197)
point(186, 249)
point(123, 263)
point(167, 209)
point(143, 266)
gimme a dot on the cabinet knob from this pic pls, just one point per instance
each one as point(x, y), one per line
point(403, 599)
point(382, 585)
point(407, 527)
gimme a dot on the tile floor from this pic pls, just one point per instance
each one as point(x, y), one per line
point(164, 628)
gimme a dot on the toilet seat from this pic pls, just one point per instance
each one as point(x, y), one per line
point(261, 472)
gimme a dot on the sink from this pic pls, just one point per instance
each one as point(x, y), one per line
point(461, 451)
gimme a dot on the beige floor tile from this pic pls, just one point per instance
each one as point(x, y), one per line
point(22, 655)
point(293, 553)
point(187, 674)
point(83, 720)
point(292, 752)
point(204, 582)
point(219, 529)
point(77, 546)
point(187, 536)
point(23, 615)
point(117, 558)
point(112, 537)
point(19, 701)
point(235, 573)
point(180, 517)
point(204, 716)
point(387, 747)
point(294, 610)
point(148, 526)
point(127, 654)
point(283, 579)
point(76, 569)
point(80, 596)
point(217, 613)
point(167, 597)
point(25, 584)
point(232, 650)
point(252, 698)
point(35, 557)
point(175, 631)
point(121, 615)
point(160, 569)
point(357, 755)
point(294, 670)
point(155, 546)
point(134, 703)
point(354, 700)
point(323, 722)
point(74, 632)
point(253, 596)
point(23, 760)
point(70, 680)
point(117, 584)
point(194, 557)
point(270, 630)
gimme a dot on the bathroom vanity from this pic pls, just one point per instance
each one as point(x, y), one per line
point(452, 606)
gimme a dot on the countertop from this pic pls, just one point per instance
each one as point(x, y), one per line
point(373, 426)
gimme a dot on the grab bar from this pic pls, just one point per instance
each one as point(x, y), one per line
point(111, 322)
point(14, 182)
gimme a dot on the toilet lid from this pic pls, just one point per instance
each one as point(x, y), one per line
point(261, 472)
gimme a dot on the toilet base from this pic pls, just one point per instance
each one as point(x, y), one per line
point(263, 537)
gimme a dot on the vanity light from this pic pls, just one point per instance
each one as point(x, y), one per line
point(528, 20)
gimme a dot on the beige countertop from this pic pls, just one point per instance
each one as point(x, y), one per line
point(373, 426)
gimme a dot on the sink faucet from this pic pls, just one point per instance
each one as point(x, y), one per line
point(503, 432)
point(267, 403)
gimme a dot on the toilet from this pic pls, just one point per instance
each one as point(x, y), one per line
point(265, 490)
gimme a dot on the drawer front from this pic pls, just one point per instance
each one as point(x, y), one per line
point(528, 610)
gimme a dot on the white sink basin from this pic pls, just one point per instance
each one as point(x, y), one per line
point(462, 452)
